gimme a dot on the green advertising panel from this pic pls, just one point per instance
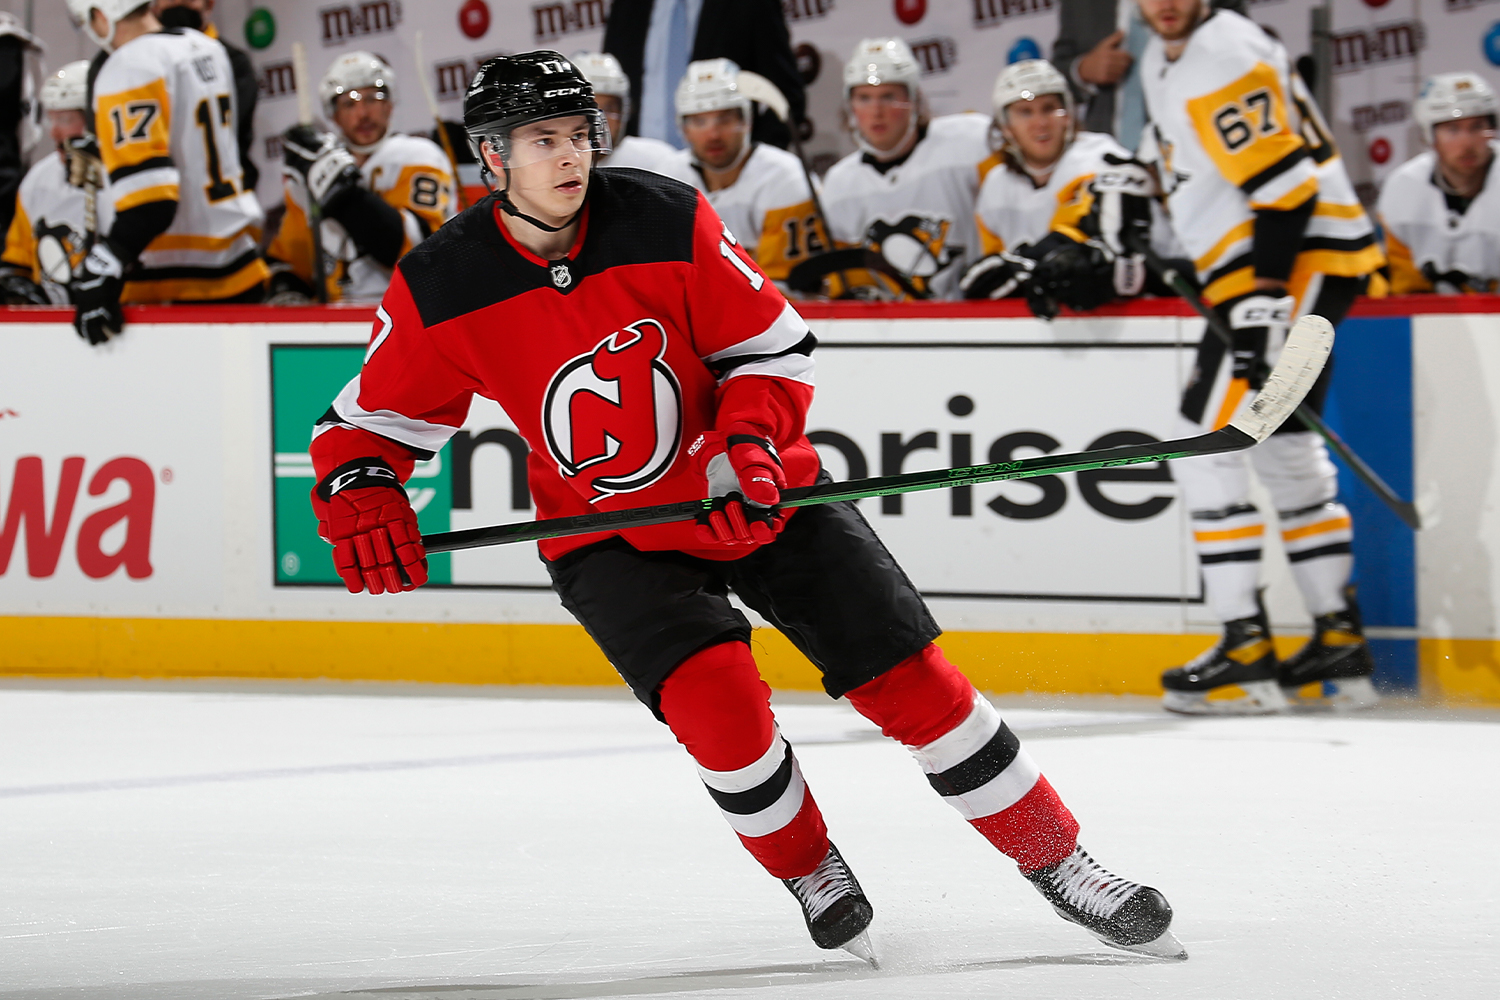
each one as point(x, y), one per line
point(305, 378)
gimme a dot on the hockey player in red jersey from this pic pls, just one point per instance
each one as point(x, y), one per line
point(646, 359)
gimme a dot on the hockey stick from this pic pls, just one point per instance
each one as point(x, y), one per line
point(314, 213)
point(1407, 512)
point(1307, 349)
point(758, 88)
point(437, 116)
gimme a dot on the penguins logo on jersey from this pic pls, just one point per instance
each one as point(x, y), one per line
point(917, 246)
point(58, 248)
point(614, 414)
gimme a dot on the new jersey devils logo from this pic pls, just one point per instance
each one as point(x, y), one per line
point(615, 413)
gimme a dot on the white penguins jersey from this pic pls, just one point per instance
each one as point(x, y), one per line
point(1425, 232)
point(645, 153)
point(769, 207)
point(1234, 131)
point(164, 109)
point(48, 235)
point(918, 214)
point(1013, 210)
point(409, 172)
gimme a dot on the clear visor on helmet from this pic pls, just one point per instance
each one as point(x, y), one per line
point(359, 95)
point(704, 122)
point(886, 98)
point(585, 134)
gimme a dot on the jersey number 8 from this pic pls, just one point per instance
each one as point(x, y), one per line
point(1234, 120)
point(425, 190)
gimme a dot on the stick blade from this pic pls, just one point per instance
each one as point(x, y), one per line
point(758, 88)
point(1308, 346)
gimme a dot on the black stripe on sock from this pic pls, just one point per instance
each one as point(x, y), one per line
point(1336, 549)
point(762, 796)
point(1219, 515)
point(1241, 555)
point(980, 767)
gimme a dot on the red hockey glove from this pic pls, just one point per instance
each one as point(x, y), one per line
point(363, 511)
point(745, 479)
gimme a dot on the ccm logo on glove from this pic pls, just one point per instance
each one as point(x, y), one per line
point(363, 511)
point(744, 479)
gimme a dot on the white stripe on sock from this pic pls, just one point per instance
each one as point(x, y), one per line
point(1000, 792)
point(775, 816)
point(751, 775)
point(962, 741)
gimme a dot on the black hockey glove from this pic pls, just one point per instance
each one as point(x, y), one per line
point(18, 290)
point(319, 162)
point(95, 291)
point(992, 277)
point(1259, 322)
point(1077, 275)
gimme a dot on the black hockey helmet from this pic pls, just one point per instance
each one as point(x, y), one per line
point(509, 91)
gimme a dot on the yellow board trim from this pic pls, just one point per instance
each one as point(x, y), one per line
point(1458, 670)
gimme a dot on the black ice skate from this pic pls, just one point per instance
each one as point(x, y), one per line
point(1333, 670)
point(835, 907)
point(1236, 677)
point(1121, 913)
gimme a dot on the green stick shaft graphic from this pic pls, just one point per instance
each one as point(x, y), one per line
point(1228, 438)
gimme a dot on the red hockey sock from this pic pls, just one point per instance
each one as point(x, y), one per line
point(971, 757)
point(719, 709)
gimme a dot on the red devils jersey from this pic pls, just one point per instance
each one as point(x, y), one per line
point(611, 361)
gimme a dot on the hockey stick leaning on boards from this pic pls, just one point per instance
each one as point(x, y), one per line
point(1407, 512)
point(301, 82)
point(1307, 349)
point(444, 139)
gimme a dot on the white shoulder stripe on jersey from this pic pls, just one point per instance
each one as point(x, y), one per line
point(796, 367)
point(787, 330)
point(417, 434)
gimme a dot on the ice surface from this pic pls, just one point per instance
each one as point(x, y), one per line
point(216, 844)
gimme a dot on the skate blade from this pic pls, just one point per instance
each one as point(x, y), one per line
point(1343, 694)
point(860, 947)
point(1249, 698)
point(1166, 946)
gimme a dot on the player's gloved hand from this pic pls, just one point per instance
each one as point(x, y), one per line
point(319, 161)
point(1259, 322)
point(745, 480)
point(363, 511)
point(85, 166)
point(95, 290)
point(19, 290)
point(991, 277)
point(1081, 276)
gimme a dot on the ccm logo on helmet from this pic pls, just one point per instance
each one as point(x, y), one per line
point(562, 92)
point(614, 414)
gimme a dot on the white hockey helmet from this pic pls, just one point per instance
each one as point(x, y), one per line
point(711, 85)
point(882, 60)
point(1026, 81)
point(114, 12)
point(1448, 97)
point(605, 73)
point(11, 27)
point(354, 71)
point(67, 89)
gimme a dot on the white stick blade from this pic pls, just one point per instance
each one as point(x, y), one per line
point(758, 88)
point(1302, 359)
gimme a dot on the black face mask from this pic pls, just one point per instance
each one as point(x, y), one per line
point(181, 17)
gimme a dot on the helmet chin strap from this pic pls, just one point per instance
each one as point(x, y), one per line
point(510, 208)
